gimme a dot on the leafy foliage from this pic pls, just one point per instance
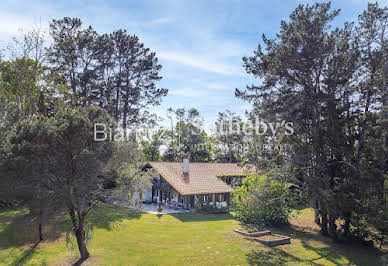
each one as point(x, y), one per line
point(187, 137)
point(56, 158)
point(114, 71)
point(263, 201)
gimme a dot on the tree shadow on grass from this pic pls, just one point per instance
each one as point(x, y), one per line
point(18, 229)
point(295, 231)
point(331, 251)
point(199, 217)
point(278, 256)
point(273, 257)
point(341, 248)
point(22, 229)
point(26, 255)
point(355, 253)
point(108, 217)
point(260, 257)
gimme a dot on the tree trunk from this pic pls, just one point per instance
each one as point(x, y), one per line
point(125, 114)
point(230, 155)
point(40, 232)
point(382, 239)
point(347, 225)
point(101, 104)
point(140, 199)
point(81, 241)
point(118, 89)
point(40, 226)
point(117, 104)
point(332, 227)
point(79, 232)
point(40, 221)
point(324, 223)
point(317, 218)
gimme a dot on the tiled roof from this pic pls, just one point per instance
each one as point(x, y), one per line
point(202, 177)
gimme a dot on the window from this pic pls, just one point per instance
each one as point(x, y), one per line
point(204, 198)
point(221, 197)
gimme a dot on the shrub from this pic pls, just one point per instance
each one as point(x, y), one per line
point(263, 201)
point(209, 208)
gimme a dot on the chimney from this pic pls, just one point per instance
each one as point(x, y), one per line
point(185, 164)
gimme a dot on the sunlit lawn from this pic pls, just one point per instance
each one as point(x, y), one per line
point(123, 237)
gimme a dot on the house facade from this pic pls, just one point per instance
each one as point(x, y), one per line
point(188, 185)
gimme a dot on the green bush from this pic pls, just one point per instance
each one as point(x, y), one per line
point(209, 208)
point(263, 201)
point(206, 207)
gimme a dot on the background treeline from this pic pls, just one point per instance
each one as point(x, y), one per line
point(186, 134)
point(332, 83)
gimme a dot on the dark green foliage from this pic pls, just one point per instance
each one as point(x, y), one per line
point(57, 159)
point(229, 138)
point(331, 83)
point(151, 145)
point(187, 137)
point(114, 71)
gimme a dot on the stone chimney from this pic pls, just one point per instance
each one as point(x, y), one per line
point(185, 164)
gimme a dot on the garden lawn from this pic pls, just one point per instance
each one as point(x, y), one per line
point(123, 237)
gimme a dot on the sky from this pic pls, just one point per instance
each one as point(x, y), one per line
point(200, 44)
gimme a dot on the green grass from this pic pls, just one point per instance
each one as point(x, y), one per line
point(123, 237)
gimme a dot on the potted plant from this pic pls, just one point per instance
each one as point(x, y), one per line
point(160, 209)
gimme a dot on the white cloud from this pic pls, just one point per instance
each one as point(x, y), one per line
point(162, 20)
point(186, 92)
point(194, 60)
point(12, 24)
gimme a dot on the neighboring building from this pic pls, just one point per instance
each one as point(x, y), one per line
point(188, 185)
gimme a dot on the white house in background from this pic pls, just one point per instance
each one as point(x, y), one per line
point(187, 184)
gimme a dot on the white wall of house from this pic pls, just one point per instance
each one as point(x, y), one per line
point(147, 195)
point(135, 197)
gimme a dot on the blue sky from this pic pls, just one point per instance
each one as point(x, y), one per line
point(199, 43)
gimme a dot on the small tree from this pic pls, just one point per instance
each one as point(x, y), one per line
point(263, 201)
point(134, 179)
point(63, 157)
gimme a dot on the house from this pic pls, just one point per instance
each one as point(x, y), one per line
point(187, 185)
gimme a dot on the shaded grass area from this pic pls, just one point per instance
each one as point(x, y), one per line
point(123, 237)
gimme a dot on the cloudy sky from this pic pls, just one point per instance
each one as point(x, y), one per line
point(199, 43)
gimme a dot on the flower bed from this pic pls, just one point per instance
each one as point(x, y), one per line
point(273, 240)
point(245, 232)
